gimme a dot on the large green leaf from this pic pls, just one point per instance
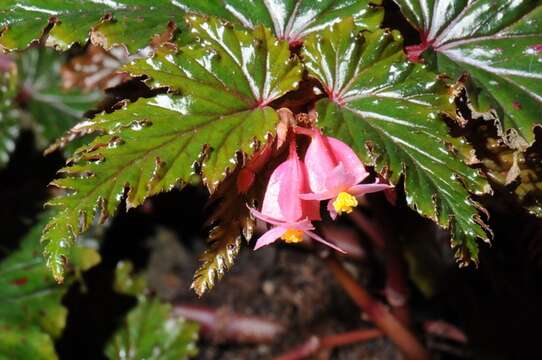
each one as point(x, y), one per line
point(132, 23)
point(499, 43)
point(52, 109)
point(217, 107)
point(9, 125)
point(291, 19)
point(31, 312)
point(389, 110)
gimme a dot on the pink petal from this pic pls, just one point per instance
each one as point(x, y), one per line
point(319, 162)
point(290, 186)
point(266, 218)
point(269, 237)
point(343, 153)
point(270, 206)
point(361, 189)
point(339, 179)
point(331, 209)
point(318, 197)
point(318, 238)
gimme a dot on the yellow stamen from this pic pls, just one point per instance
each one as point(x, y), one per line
point(344, 203)
point(292, 236)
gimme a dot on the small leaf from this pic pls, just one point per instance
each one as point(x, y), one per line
point(291, 20)
point(499, 43)
point(389, 110)
point(217, 107)
point(151, 332)
point(126, 282)
point(130, 23)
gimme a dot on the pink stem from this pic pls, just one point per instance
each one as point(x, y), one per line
point(224, 325)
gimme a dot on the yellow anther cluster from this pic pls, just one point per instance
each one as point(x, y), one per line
point(292, 236)
point(344, 203)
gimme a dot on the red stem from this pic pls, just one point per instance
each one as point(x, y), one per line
point(396, 290)
point(379, 315)
point(315, 344)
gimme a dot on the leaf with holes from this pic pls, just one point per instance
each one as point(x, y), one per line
point(291, 20)
point(9, 115)
point(131, 23)
point(217, 107)
point(31, 312)
point(389, 110)
point(497, 42)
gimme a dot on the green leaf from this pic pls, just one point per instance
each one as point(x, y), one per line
point(151, 332)
point(217, 107)
point(497, 42)
point(389, 110)
point(31, 312)
point(291, 20)
point(131, 23)
point(53, 110)
point(9, 115)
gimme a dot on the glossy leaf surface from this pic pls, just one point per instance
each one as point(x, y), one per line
point(291, 20)
point(389, 110)
point(31, 312)
point(216, 108)
point(497, 42)
point(132, 23)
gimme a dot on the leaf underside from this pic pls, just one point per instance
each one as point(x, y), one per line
point(215, 109)
point(499, 44)
point(390, 111)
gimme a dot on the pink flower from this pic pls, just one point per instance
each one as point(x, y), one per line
point(335, 173)
point(283, 207)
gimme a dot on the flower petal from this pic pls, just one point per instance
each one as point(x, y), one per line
point(319, 162)
point(339, 179)
point(266, 218)
point(270, 206)
point(269, 237)
point(361, 189)
point(343, 153)
point(318, 197)
point(290, 187)
point(319, 239)
point(331, 209)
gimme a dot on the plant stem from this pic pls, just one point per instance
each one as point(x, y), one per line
point(379, 315)
point(225, 325)
point(396, 290)
point(315, 344)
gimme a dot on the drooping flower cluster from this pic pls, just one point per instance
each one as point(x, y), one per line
point(330, 171)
